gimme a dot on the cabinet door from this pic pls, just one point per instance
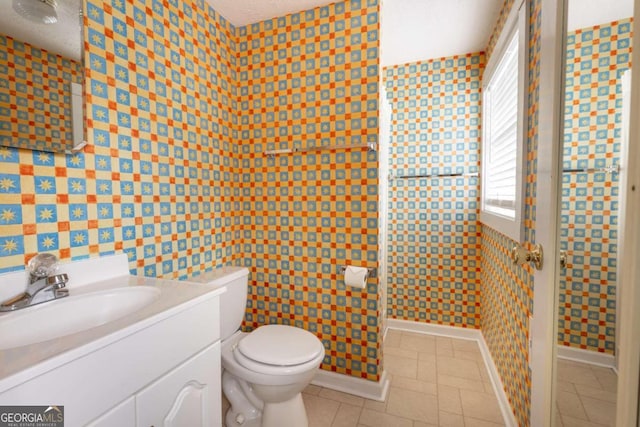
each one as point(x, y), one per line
point(122, 415)
point(189, 395)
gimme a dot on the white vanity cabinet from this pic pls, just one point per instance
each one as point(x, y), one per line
point(159, 366)
point(189, 395)
point(123, 415)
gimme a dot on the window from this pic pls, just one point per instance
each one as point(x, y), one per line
point(503, 112)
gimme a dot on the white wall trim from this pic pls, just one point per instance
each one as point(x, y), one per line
point(431, 329)
point(629, 357)
point(543, 324)
point(468, 334)
point(352, 385)
point(585, 356)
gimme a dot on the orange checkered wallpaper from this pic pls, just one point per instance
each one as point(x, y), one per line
point(181, 108)
point(596, 58)
point(35, 96)
point(158, 180)
point(434, 233)
point(306, 80)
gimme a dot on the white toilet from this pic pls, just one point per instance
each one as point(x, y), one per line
point(264, 371)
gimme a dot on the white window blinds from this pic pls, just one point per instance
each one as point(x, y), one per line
point(501, 134)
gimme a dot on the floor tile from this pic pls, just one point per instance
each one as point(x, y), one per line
point(450, 420)
point(392, 338)
point(467, 369)
point(595, 393)
point(444, 346)
point(401, 366)
point(606, 378)
point(566, 386)
point(339, 396)
point(375, 405)
point(312, 389)
point(475, 422)
point(418, 342)
point(599, 411)
point(568, 421)
point(372, 418)
point(434, 381)
point(320, 411)
point(461, 383)
point(427, 370)
point(398, 351)
point(586, 394)
point(413, 405)
point(488, 387)
point(484, 372)
point(480, 405)
point(449, 399)
point(570, 404)
point(416, 385)
point(577, 373)
point(467, 355)
point(466, 345)
point(347, 416)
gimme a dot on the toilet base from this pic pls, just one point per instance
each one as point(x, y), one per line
point(291, 413)
point(234, 419)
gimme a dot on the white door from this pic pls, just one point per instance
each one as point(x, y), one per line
point(622, 202)
point(629, 351)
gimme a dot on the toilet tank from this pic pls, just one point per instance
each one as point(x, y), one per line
point(234, 301)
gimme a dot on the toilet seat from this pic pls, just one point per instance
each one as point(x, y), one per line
point(279, 350)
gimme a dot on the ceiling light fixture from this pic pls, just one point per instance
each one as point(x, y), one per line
point(38, 11)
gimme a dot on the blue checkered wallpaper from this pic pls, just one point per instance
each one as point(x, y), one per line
point(596, 58)
point(181, 107)
point(158, 180)
point(433, 232)
point(35, 96)
point(306, 80)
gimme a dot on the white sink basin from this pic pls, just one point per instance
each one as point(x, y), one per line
point(71, 314)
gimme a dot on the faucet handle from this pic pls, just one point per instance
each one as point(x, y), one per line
point(42, 265)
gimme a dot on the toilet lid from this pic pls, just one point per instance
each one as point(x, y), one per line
point(280, 345)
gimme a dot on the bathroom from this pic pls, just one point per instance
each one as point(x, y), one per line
point(182, 108)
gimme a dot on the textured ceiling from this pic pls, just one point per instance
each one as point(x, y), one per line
point(411, 30)
point(414, 30)
point(62, 38)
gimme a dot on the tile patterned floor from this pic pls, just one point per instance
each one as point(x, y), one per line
point(435, 381)
point(586, 395)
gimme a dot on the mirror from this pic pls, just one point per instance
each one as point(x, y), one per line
point(598, 55)
point(41, 75)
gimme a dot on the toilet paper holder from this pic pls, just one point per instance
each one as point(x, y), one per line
point(371, 272)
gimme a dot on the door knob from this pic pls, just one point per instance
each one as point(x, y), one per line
point(563, 259)
point(520, 255)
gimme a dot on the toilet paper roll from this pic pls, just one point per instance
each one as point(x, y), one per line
point(355, 276)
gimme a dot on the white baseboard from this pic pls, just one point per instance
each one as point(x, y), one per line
point(496, 382)
point(469, 334)
point(585, 356)
point(431, 329)
point(352, 385)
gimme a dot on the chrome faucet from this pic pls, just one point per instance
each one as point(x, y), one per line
point(44, 285)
